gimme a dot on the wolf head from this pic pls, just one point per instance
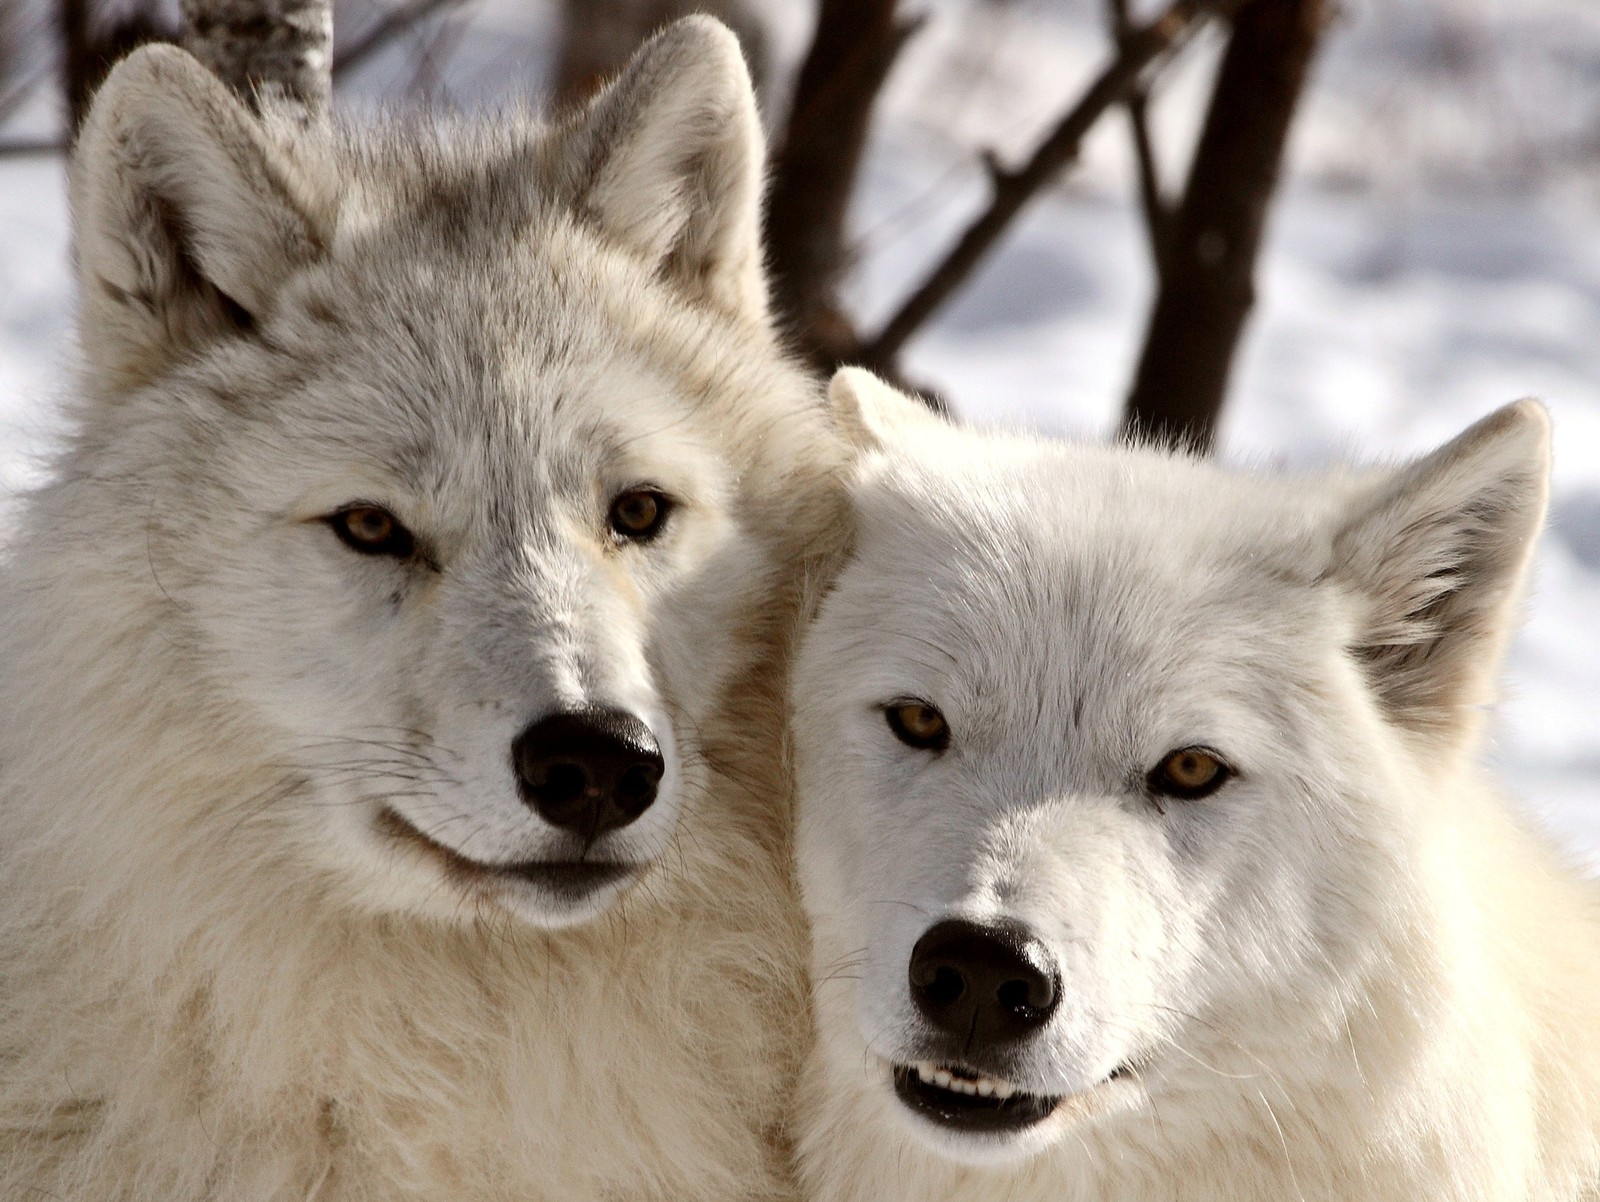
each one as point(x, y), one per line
point(1112, 763)
point(443, 461)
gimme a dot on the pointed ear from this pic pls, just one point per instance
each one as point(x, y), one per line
point(1437, 557)
point(670, 160)
point(873, 415)
point(187, 217)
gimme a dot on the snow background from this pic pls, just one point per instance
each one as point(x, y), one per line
point(1435, 253)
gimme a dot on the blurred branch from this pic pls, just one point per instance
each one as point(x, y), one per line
point(18, 91)
point(1156, 216)
point(394, 24)
point(41, 146)
point(78, 74)
point(1207, 283)
point(1012, 190)
point(90, 47)
point(814, 173)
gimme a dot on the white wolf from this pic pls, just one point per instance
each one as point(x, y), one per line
point(1146, 848)
point(414, 585)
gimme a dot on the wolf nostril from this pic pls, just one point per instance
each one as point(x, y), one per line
point(637, 786)
point(1033, 992)
point(946, 985)
point(983, 984)
point(588, 771)
point(562, 782)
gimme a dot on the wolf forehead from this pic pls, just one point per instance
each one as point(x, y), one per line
point(1041, 535)
point(456, 294)
point(451, 254)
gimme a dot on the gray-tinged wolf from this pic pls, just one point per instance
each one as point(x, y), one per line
point(391, 798)
point(1146, 841)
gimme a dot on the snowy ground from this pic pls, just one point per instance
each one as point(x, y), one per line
point(1437, 254)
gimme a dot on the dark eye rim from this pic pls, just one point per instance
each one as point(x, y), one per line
point(400, 543)
point(891, 715)
point(666, 505)
point(1159, 784)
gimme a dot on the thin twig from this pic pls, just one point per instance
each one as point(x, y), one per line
point(393, 24)
point(1151, 201)
point(1013, 189)
point(19, 93)
point(36, 146)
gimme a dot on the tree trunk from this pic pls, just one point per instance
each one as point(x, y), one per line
point(814, 172)
point(273, 50)
point(1205, 286)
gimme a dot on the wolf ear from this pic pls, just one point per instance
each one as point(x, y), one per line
point(670, 159)
point(871, 414)
point(1438, 555)
point(187, 217)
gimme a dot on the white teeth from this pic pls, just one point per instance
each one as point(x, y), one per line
point(973, 1087)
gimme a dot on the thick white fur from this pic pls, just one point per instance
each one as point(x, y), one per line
point(1350, 974)
point(224, 975)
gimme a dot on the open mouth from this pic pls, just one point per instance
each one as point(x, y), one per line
point(563, 880)
point(968, 1101)
point(962, 1099)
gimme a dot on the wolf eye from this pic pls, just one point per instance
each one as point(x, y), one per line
point(918, 724)
point(1188, 773)
point(372, 530)
point(638, 514)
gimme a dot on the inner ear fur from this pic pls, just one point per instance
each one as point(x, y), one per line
point(874, 415)
point(1437, 558)
point(187, 217)
point(668, 159)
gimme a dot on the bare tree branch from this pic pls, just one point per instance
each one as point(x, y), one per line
point(1206, 287)
point(78, 70)
point(395, 23)
point(14, 79)
point(89, 47)
point(1152, 202)
point(1013, 189)
point(42, 146)
point(855, 45)
point(278, 50)
point(18, 90)
point(1157, 216)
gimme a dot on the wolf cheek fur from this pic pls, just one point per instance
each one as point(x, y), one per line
point(351, 503)
point(1200, 893)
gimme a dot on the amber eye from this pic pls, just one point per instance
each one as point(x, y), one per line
point(1187, 773)
point(372, 530)
point(639, 514)
point(917, 724)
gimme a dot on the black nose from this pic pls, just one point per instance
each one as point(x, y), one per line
point(985, 985)
point(588, 771)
